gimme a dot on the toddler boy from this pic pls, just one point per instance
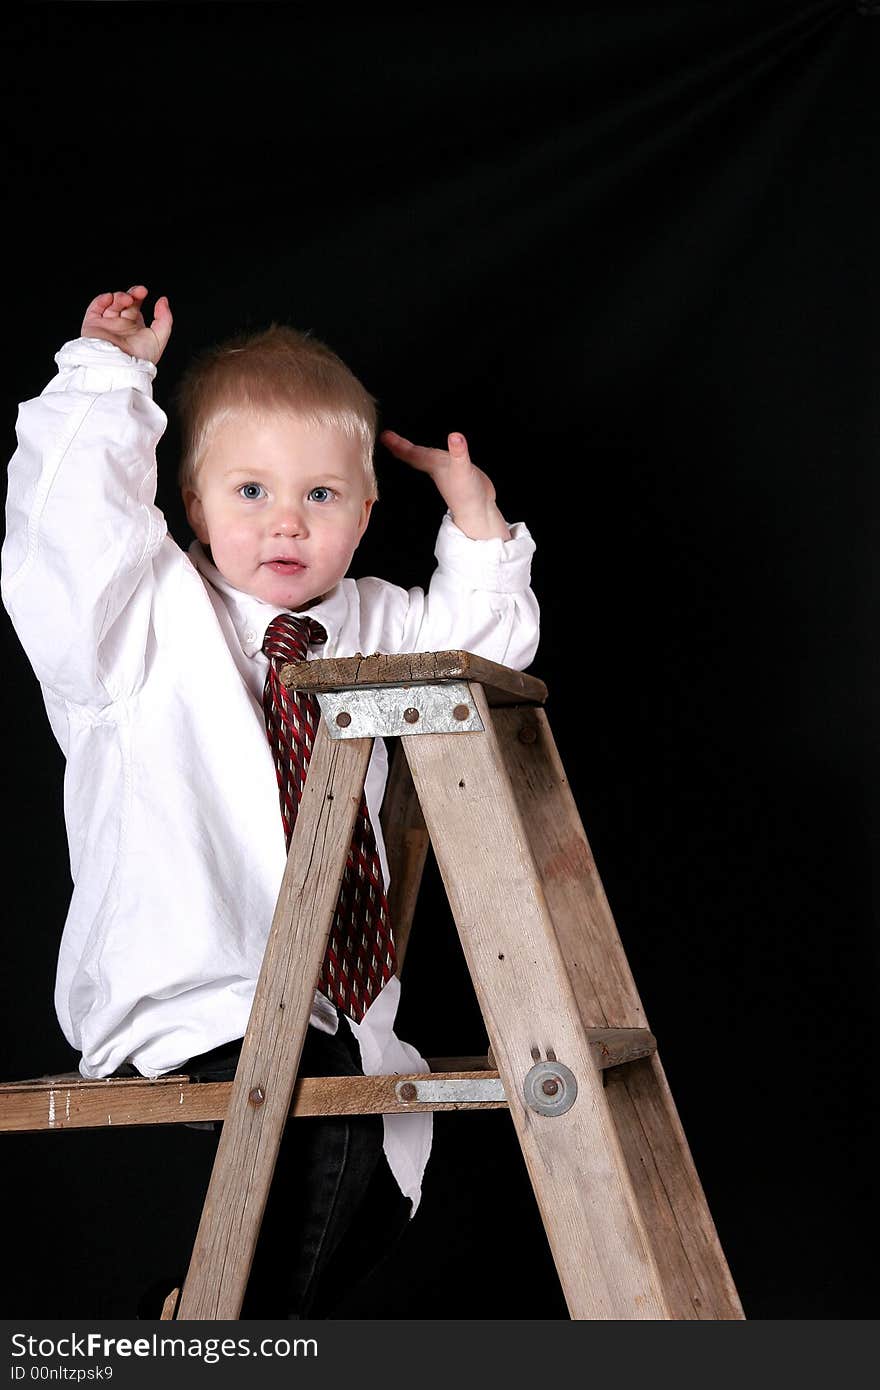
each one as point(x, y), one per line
point(153, 670)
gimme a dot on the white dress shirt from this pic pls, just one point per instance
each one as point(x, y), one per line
point(152, 674)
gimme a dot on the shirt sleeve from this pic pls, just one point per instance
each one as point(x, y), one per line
point(82, 527)
point(479, 600)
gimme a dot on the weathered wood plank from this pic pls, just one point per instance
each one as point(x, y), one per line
point(169, 1306)
point(127, 1103)
point(686, 1246)
point(503, 685)
point(613, 1047)
point(70, 1101)
point(694, 1270)
point(406, 845)
point(245, 1162)
point(578, 1171)
point(585, 928)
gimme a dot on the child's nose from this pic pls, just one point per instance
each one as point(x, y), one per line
point(289, 521)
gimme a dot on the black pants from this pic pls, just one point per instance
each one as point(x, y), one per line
point(334, 1209)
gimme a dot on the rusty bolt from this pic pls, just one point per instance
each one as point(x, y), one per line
point(550, 1086)
point(461, 712)
point(411, 715)
point(408, 1091)
point(527, 734)
point(343, 719)
point(257, 1096)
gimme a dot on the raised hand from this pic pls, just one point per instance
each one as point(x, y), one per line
point(118, 319)
point(467, 491)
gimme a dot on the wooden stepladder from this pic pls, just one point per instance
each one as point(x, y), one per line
point(627, 1222)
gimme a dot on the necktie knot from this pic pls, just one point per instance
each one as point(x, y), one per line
point(288, 637)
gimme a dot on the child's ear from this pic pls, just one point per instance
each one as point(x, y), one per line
point(195, 514)
point(365, 515)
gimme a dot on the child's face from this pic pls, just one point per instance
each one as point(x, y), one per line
point(282, 506)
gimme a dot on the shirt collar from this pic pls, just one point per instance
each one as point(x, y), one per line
point(251, 616)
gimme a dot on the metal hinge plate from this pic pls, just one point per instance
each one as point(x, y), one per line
point(394, 710)
point(450, 1090)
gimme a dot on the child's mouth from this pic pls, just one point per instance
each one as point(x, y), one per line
point(285, 566)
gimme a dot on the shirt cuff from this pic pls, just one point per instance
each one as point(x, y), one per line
point(108, 366)
point(494, 565)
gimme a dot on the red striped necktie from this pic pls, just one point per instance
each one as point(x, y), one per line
point(360, 955)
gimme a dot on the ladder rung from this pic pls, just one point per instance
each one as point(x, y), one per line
point(75, 1103)
point(71, 1101)
point(611, 1047)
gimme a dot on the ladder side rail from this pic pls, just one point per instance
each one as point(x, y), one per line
point(578, 1171)
point(696, 1275)
point(406, 845)
point(585, 927)
point(686, 1245)
point(261, 1093)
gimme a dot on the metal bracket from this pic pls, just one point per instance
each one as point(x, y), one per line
point(550, 1088)
point(372, 711)
point(449, 1091)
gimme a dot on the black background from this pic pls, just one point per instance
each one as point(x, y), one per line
point(631, 253)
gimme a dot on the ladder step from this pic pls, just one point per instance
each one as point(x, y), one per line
point(71, 1101)
point(503, 685)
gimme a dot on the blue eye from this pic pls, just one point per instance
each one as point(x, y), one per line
point(251, 491)
point(327, 494)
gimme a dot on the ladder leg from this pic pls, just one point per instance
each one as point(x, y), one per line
point(696, 1277)
point(260, 1098)
point(587, 934)
point(695, 1274)
point(406, 844)
point(575, 1160)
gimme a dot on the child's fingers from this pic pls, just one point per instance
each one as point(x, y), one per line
point(401, 448)
point(416, 455)
point(136, 296)
point(458, 448)
point(396, 443)
point(114, 302)
point(99, 304)
point(123, 305)
point(118, 316)
point(163, 321)
point(428, 460)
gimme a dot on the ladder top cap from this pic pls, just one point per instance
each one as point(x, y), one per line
point(503, 685)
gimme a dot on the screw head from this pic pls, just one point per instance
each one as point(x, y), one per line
point(411, 715)
point(550, 1086)
point(408, 1091)
point(343, 719)
point(461, 712)
point(527, 734)
point(257, 1096)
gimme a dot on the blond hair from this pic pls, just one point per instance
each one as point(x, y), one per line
point(278, 369)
